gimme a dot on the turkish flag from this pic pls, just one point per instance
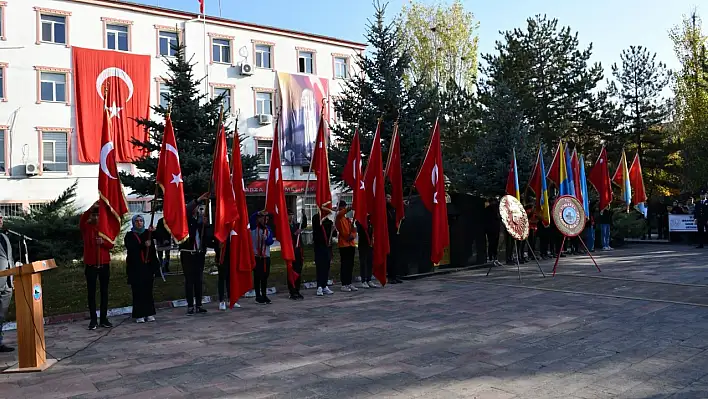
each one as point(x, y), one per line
point(575, 166)
point(113, 205)
point(599, 177)
point(226, 211)
point(395, 175)
point(241, 256)
point(169, 178)
point(201, 6)
point(275, 205)
point(636, 181)
point(355, 180)
point(320, 165)
point(554, 174)
point(126, 77)
point(430, 184)
point(376, 203)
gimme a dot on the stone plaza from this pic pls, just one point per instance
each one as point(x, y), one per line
point(639, 329)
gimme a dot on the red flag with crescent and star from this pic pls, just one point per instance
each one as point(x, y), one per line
point(169, 179)
point(226, 212)
point(127, 77)
point(275, 205)
point(113, 205)
point(394, 173)
point(241, 257)
point(320, 165)
point(430, 184)
point(376, 198)
point(355, 180)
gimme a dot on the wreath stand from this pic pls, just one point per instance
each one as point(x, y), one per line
point(568, 219)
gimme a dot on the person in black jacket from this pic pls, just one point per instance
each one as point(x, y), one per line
point(392, 266)
point(605, 221)
point(366, 255)
point(321, 233)
point(492, 228)
point(700, 217)
point(141, 263)
point(296, 229)
point(193, 253)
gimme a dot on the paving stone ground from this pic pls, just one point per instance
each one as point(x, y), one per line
point(639, 329)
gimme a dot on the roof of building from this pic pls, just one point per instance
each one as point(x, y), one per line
point(155, 10)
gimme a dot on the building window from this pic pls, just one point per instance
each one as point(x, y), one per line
point(52, 87)
point(168, 43)
point(263, 56)
point(221, 50)
point(264, 103)
point(226, 99)
point(37, 206)
point(341, 67)
point(12, 209)
point(306, 62)
point(3, 94)
point(55, 152)
point(2, 20)
point(136, 206)
point(53, 28)
point(117, 37)
point(2, 151)
point(264, 151)
point(164, 93)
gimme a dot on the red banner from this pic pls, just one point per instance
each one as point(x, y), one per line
point(127, 77)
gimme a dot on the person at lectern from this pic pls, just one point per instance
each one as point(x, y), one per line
point(97, 259)
point(6, 262)
point(141, 264)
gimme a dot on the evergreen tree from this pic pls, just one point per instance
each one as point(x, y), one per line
point(195, 119)
point(544, 68)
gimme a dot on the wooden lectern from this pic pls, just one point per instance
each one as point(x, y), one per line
point(30, 316)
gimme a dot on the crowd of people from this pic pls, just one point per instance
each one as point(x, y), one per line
point(144, 261)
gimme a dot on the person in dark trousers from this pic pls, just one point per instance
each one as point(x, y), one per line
point(193, 253)
point(262, 237)
point(6, 262)
point(492, 228)
point(533, 228)
point(97, 259)
point(347, 250)
point(605, 221)
point(590, 228)
point(163, 239)
point(392, 266)
point(296, 229)
point(662, 216)
point(141, 263)
point(544, 238)
point(556, 237)
point(321, 232)
point(366, 254)
point(700, 217)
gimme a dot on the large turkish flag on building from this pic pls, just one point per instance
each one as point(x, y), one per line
point(127, 77)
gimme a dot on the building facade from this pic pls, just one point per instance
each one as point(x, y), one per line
point(38, 134)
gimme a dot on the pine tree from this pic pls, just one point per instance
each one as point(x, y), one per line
point(195, 119)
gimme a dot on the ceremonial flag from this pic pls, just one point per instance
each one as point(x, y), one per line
point(621, 178)
point(395, 175)
point(201, 6)
point(113, 205)
point(430, 184)
point(354, 178)
point(126, 79)
point(320, 165)
point(639, 195)
point(584, 187)
point(169, 179)
point(376, 204)
point(600, 179)
point(241, 257)
point(226, 211)
point(512, 180)
point(570, 173)
point(577, 184)
point(558, 172)
point(276, 206)
point(538, 185)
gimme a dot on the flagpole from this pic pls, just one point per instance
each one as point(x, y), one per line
point(211, 174)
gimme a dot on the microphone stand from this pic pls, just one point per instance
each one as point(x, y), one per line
point(23, 244)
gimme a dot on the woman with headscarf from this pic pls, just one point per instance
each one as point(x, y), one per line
point(141, 264)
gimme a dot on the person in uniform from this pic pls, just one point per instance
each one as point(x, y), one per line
point(6, 262)
point(700, 217)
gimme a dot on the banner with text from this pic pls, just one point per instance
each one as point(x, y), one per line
point(301, 99)
point(682, 223)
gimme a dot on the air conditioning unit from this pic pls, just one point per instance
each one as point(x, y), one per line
point(265, 119)
point(31, 168)
point(246, 68)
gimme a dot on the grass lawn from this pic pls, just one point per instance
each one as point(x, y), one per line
point(64, 288)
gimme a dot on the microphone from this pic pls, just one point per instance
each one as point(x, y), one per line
point(8, 231)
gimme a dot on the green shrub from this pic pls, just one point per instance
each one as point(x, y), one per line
point(627, 225)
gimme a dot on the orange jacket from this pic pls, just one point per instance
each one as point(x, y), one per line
point(345, 228)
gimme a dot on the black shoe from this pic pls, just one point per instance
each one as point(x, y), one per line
point(260, 301)
point(106, 324)
point(299, 296)
point(92, 325)
point(190, 311)
point(293, 297)
point(399, 281)
point(393, 281)
point(201, 309)
point(267, 300)
point(6, 349)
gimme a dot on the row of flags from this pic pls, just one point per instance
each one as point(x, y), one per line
point(567, 173)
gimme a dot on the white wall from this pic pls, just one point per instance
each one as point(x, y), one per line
point(22, 54)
